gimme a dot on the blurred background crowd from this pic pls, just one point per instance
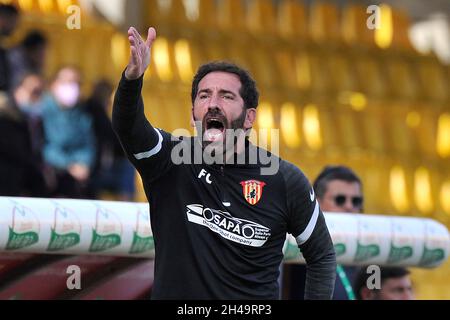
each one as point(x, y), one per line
point(54, 142)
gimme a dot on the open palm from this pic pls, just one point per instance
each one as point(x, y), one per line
point(140, 53)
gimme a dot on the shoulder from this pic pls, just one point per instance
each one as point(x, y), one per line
point(291, 173)
point(298, 187)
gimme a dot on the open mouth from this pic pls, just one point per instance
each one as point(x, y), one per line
point(214, 129)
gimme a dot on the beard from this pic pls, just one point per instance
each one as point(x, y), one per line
point(219, 138)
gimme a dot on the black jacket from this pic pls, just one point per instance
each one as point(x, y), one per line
point(219, 230)
point(20, 172)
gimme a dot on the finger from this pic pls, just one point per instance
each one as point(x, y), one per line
point(132, 41)
point(137, 36)
point(133, 45)
point(131, 33)
point(133, 30)
point(151, 36)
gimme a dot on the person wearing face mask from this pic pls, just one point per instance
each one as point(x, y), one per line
point(28, 98)
point(69, 140)
point(338, 189)
point(9, 17)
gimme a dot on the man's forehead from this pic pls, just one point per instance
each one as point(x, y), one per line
point(220, 80)
point(343, 186)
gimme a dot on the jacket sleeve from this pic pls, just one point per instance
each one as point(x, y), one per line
point(307, 225)
point(146, 147)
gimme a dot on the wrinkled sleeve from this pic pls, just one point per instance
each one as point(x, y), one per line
point(147, 148)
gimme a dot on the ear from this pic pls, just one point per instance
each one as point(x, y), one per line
point(250, 117)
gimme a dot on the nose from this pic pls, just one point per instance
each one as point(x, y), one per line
point(213, 102)
point(213, 109)
point(213, 105)
point(348, 206)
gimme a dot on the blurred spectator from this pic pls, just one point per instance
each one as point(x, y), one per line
point(69, 140)
point(20, 175)
point(9, 18)
point(28, 57)
point(338, 189)
point(395, 285)
point(28, 97)
point(112, 170)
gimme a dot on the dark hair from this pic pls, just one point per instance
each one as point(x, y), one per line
point(248, 91)
point(385, 273)
point(8, 10)
point(330, 173)
point(34, 39)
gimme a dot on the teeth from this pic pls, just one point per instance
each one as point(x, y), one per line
point(209, 121)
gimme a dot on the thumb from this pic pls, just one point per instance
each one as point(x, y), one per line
point(151, 36)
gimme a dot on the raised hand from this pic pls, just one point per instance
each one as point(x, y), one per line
point(140, 53)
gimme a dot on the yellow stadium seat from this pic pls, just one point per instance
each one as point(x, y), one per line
point(209, 43)
point(207, 18)
point(370, 76)
point(395, 120)
point(261, 18)
point(426, 133)
point(354, 30)
point(433, 80)
point(401, 79)
point(316, 77)
point(169, 17)
point(341, 72)
point(292, 21)
point(324, 23)
point(348, 128)
point(374, 129)
point(333, 146)
point(231, 17)
point(239, 46)
point(401, 24)
point(262, 25)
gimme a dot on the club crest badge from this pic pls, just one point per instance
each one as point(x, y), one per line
point(252, 190)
